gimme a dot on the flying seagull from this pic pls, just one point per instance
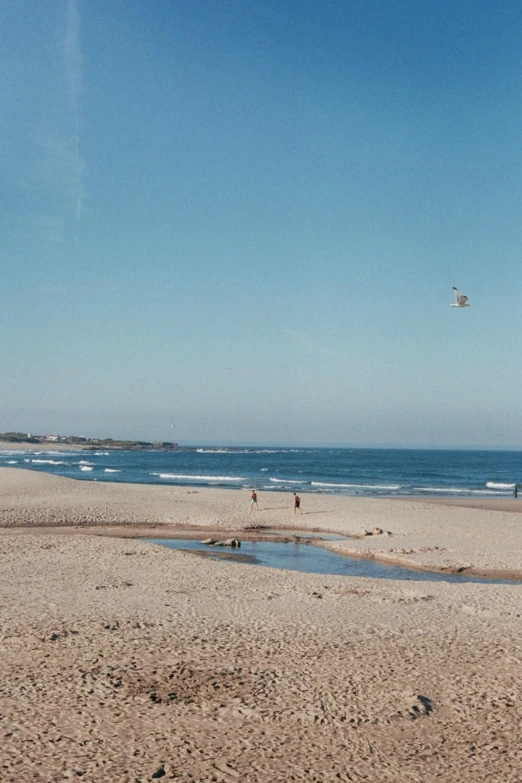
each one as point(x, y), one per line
point(461, 300)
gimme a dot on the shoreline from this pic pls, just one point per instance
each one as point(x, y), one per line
point(508, 504)
point(6, 445)
point(438, 534)
point(511, 505)
point(123, 660)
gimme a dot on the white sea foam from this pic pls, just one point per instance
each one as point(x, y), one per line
point(47, 461)
point(263, 469)
point(111, 470)
point(85, 467)
point(101, 453)
point(60, 453)
point(184, 476)
point(356, 486)
point(494, 485)
point(284, 481)
point(85, 462)
point(12, 462)
point(214, 451)
point(456, 490)
point(235, 451)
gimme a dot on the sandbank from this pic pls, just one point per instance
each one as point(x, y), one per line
point(491, 504)
point(6, 445)
point(429, 534)
point(125, 661)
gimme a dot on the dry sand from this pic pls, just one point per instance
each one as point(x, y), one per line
point(121, 661)
point(6, 445)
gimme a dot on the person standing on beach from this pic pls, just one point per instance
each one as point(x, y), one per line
point(297, 503)
point(253, 500)
point(515, 492)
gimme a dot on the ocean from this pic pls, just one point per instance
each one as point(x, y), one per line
point(362, 472)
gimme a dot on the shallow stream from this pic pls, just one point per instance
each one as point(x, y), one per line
point(299, 556)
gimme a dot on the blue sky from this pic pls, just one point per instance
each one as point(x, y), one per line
point(289, 190)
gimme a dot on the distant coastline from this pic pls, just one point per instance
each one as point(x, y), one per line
point(30, 445)
point(18, 441)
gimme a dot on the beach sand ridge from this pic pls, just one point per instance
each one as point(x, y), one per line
point(122, 660)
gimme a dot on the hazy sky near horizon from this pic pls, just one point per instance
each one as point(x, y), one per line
point(241, 222)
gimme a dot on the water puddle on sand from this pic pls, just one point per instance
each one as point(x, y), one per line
point(299, 556)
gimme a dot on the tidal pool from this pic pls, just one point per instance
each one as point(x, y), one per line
point(298, 556)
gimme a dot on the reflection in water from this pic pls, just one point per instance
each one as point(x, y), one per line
point(295, 556)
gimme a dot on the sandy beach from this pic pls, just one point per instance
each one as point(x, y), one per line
point(6, 445)
point(125, 661)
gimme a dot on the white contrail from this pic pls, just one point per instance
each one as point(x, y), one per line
point(73, 72)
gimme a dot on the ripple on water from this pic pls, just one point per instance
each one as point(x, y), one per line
point(298, 556)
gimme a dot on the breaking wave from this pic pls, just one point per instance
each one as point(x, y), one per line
point(455, 490)
point(185, 477)
point(355, 486)
point(46, 461)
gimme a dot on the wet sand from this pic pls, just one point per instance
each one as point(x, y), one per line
point(491, 504)
point(424, 534)
point(122, 660)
